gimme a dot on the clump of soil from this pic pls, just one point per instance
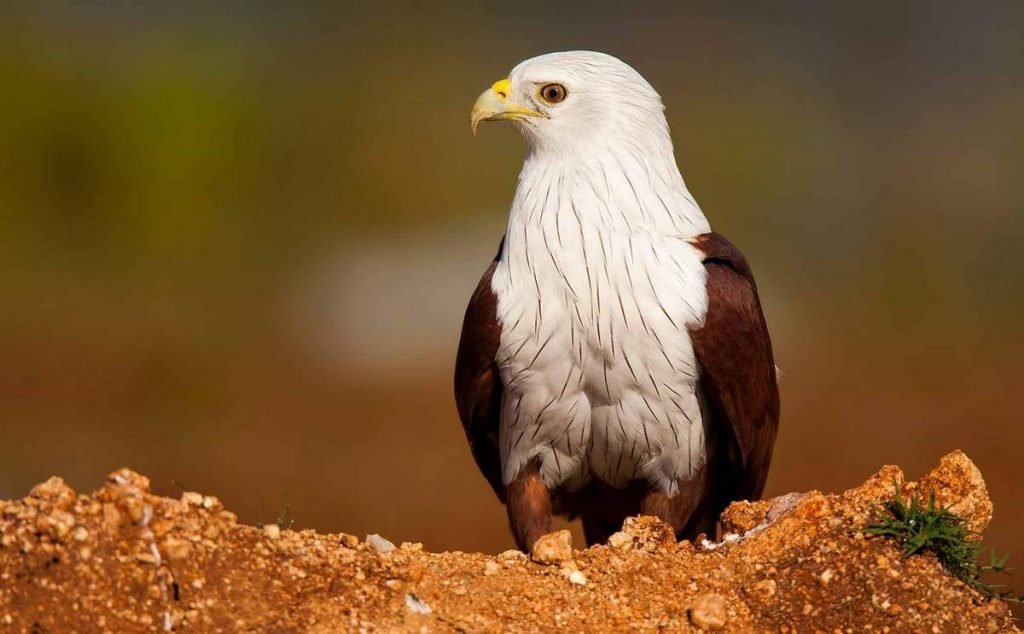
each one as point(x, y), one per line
point(124, 560)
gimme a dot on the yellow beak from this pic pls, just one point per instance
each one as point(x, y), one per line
point(495, 105)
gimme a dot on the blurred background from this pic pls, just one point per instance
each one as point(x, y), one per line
point(237, 242)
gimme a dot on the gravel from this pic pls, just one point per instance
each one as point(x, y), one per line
point(125, 560)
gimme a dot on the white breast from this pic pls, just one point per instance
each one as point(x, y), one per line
point(596, 288)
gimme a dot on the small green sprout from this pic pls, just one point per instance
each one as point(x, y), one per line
point(920, 528)
point(285, 520)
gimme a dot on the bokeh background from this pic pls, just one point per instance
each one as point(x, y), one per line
point(237, 241)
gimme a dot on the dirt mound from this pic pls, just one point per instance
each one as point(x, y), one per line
point(125, 560)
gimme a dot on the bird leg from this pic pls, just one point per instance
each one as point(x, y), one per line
point(667, 509)
point(681, 510)
point(528, 502)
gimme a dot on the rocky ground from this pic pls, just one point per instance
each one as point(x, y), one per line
point(124, 560)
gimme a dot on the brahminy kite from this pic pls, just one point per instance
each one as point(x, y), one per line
point(614, 358)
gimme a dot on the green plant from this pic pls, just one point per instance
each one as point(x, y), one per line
point(919, 528)
point(284, 520)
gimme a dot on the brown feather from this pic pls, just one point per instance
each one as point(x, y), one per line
point(478, 387)
point(737, 376)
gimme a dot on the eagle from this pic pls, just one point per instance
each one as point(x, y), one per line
point(614, 358)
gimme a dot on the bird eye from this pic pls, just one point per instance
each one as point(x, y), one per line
point(553, 93)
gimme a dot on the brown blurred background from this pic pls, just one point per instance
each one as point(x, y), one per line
point(237, 242)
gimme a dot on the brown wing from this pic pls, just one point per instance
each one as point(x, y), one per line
point(478, 387)
point(737, 375)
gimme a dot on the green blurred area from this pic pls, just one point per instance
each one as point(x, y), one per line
point(237, 240)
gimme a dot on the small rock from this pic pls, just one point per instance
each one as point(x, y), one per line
point(111, 517)
point(577, 577)
point(135, 508)
point(379, 544)
point(62, 522)
point(764, 589)
point(272, 531)
point(192, 498)
point(177, 549)
point(512, 556)
point(416, 604)
point(879, 486)
point(957, 484)
point(127, 477)
point(785, 504)
point(826, 577)
point(80, 534)
point(881, 602)
point(146, 558)
point(414, 573)
point(211, 503)
point(649, 533)
point(742, 516)
point(349, 541)
point(708, 611)
point(553, 548)
point(492, 568)
point(620, 541)
point(55, 491)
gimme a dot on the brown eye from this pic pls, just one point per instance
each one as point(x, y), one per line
point(553, 93)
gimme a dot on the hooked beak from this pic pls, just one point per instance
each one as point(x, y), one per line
point(495, 105)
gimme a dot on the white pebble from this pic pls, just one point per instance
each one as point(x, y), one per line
point(416, 604)
point(379, 544)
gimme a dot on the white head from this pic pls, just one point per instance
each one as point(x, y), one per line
point(598, 128)
point(577, 102)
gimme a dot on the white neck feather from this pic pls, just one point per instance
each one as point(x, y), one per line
point(623, 187)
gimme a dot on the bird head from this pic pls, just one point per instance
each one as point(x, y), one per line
point(568, 101)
